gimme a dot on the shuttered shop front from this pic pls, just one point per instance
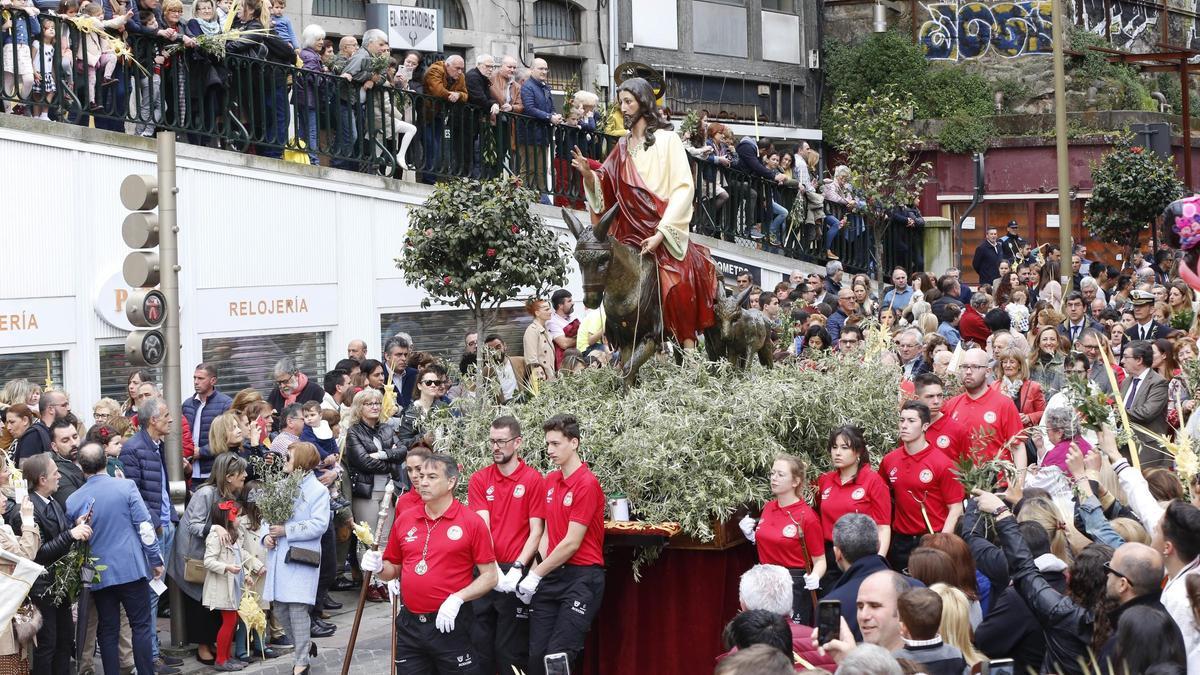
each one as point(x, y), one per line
point(249, 360)
point(32, 366)
point(443, 333)
point(115, 370)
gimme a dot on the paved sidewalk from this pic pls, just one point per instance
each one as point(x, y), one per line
point(372, 653)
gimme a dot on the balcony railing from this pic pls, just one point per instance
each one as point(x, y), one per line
point(245, 103)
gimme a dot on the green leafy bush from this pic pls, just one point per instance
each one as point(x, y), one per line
point(1131, 187)
point(694, 442)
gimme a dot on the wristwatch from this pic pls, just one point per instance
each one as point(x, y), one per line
point(518, 565)
point(1000, 511)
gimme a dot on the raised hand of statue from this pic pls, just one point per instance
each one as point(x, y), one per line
point(581, 164)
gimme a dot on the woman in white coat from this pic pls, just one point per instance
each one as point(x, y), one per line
point(291, 585)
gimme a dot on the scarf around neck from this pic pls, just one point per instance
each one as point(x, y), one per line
point(209, 27)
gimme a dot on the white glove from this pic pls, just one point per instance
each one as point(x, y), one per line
point(748, 526)
point(528, 587)
point(393, 587)
point(372, 561)
point(811, 582)
point(508, 582)
point(448, 613)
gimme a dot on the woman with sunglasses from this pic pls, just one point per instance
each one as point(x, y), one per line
point(428, 397)
point(373, 458)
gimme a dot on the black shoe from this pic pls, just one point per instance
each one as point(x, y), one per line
point(344, 584)
point(321, 631)
point(325, 624)
point(312, 649)
point(330, 603)
point(170, 660)
point(283, 641)
point(269, 653)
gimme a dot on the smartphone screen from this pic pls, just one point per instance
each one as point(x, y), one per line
point(998, 667)
point(557, 664)
point(829, 620)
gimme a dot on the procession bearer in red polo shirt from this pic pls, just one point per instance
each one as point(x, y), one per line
point(926, 494)
point(510, 497)
point(436, 550)
point(565, 589)
point(944, 433)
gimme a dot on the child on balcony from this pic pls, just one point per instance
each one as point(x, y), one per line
point(19, 26)
point(98, 50)
point(43, 71)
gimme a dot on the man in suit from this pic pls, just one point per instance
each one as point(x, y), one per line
point(988, 255)
point(1146, 327)
point(1077, 319)
point(511, 370)
point(54, 639)
point(404, 380)
point(124, 541)
point(1144, 393)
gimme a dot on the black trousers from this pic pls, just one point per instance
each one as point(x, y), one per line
point(501, 632)
point(902, 546)
point(562, 611)
point(802, 603)
point(422, 649)
point(55, 639)
point(832, 572)
point(135, 598)
point(328, 564)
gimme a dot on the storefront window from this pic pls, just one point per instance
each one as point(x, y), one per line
point(249, 360)
point(33, 367)
point(115, 370)
point(442, 333)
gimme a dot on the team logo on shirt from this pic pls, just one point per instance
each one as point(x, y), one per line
point(943, 441)
point(491, 493)
point(519, 491)
point(926, 476)
point(454, 533)
point(989, 417)
point(410, 536)
point(825, 493)
point(579, 607)
point(550, 495)
point(789, 531)
point(568, 499)
point(858, 494)
point(892, 474)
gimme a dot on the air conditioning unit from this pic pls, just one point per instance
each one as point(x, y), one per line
point(764, 90)
point(814, 59)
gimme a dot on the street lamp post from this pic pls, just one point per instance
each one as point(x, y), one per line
point(1061, 150)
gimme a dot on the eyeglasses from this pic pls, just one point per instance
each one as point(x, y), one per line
point(967, 366)
point(498, 442)
point(1109, 568)
point(284, 381)
point(373, 404)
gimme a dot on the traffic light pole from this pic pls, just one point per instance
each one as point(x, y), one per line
point(168, 239)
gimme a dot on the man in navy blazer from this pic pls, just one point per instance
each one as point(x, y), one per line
point(121, 526)
point(856, 548)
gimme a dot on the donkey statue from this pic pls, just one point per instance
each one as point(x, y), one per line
point(626, 283)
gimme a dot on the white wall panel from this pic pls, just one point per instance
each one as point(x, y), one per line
point(38, 222)
point(781, 37)
point(654, 23)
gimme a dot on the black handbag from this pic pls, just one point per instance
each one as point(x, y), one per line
point(303, 556)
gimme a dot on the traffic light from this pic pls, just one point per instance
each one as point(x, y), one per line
point(147, 306)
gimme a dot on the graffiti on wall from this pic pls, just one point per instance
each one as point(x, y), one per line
point(970, 30)
point(1129, 20)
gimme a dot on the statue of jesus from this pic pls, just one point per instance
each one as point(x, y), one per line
point(647, 176)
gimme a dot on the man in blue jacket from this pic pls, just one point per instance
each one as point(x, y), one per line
point(124, 543)
point(142, 456)
point(533, 138)
point(750, 154)
point(199, 411)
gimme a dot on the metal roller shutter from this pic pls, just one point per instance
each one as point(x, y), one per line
point(32, 366)
point(115, 370)
point(442, 332)
point(248, 361)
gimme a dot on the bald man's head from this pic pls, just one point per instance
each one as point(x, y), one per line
point(973, 369)
point(1137, 570)
point(540, 70)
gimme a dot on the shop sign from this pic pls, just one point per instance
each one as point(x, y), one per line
point(36, 322)
point(270, 307)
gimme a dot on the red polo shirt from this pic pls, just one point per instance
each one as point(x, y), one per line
point(510, 502)
point(927, 476)
point(950, 437)
point(458, 541)
point(778, 537)
point(972, 328)
point(866, 494)
point(578, 499)
point(407, 501)
point(990, 420)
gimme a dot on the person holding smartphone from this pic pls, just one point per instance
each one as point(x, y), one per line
point(565, 589)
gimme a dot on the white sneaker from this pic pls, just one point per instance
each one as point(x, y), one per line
point(44, 116)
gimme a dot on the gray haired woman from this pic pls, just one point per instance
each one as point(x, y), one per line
point(225, 482)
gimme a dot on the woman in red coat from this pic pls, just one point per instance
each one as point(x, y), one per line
point(1012, 380)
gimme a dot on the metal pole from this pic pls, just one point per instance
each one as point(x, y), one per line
point(168, 251)
point(1060, 150)
point(1184, 82)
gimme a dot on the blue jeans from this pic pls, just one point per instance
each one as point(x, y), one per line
point(833, 226)
point(431, 139)
point(343, 146)
point(275, 122)
point(165, 541)
point(778, 216)
point(307, 117)
point(131, 596)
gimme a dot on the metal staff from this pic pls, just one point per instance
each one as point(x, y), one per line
point(384, 505)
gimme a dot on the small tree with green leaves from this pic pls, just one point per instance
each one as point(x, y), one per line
point(1130, 187)
point(479, 245)
point(874, 134)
